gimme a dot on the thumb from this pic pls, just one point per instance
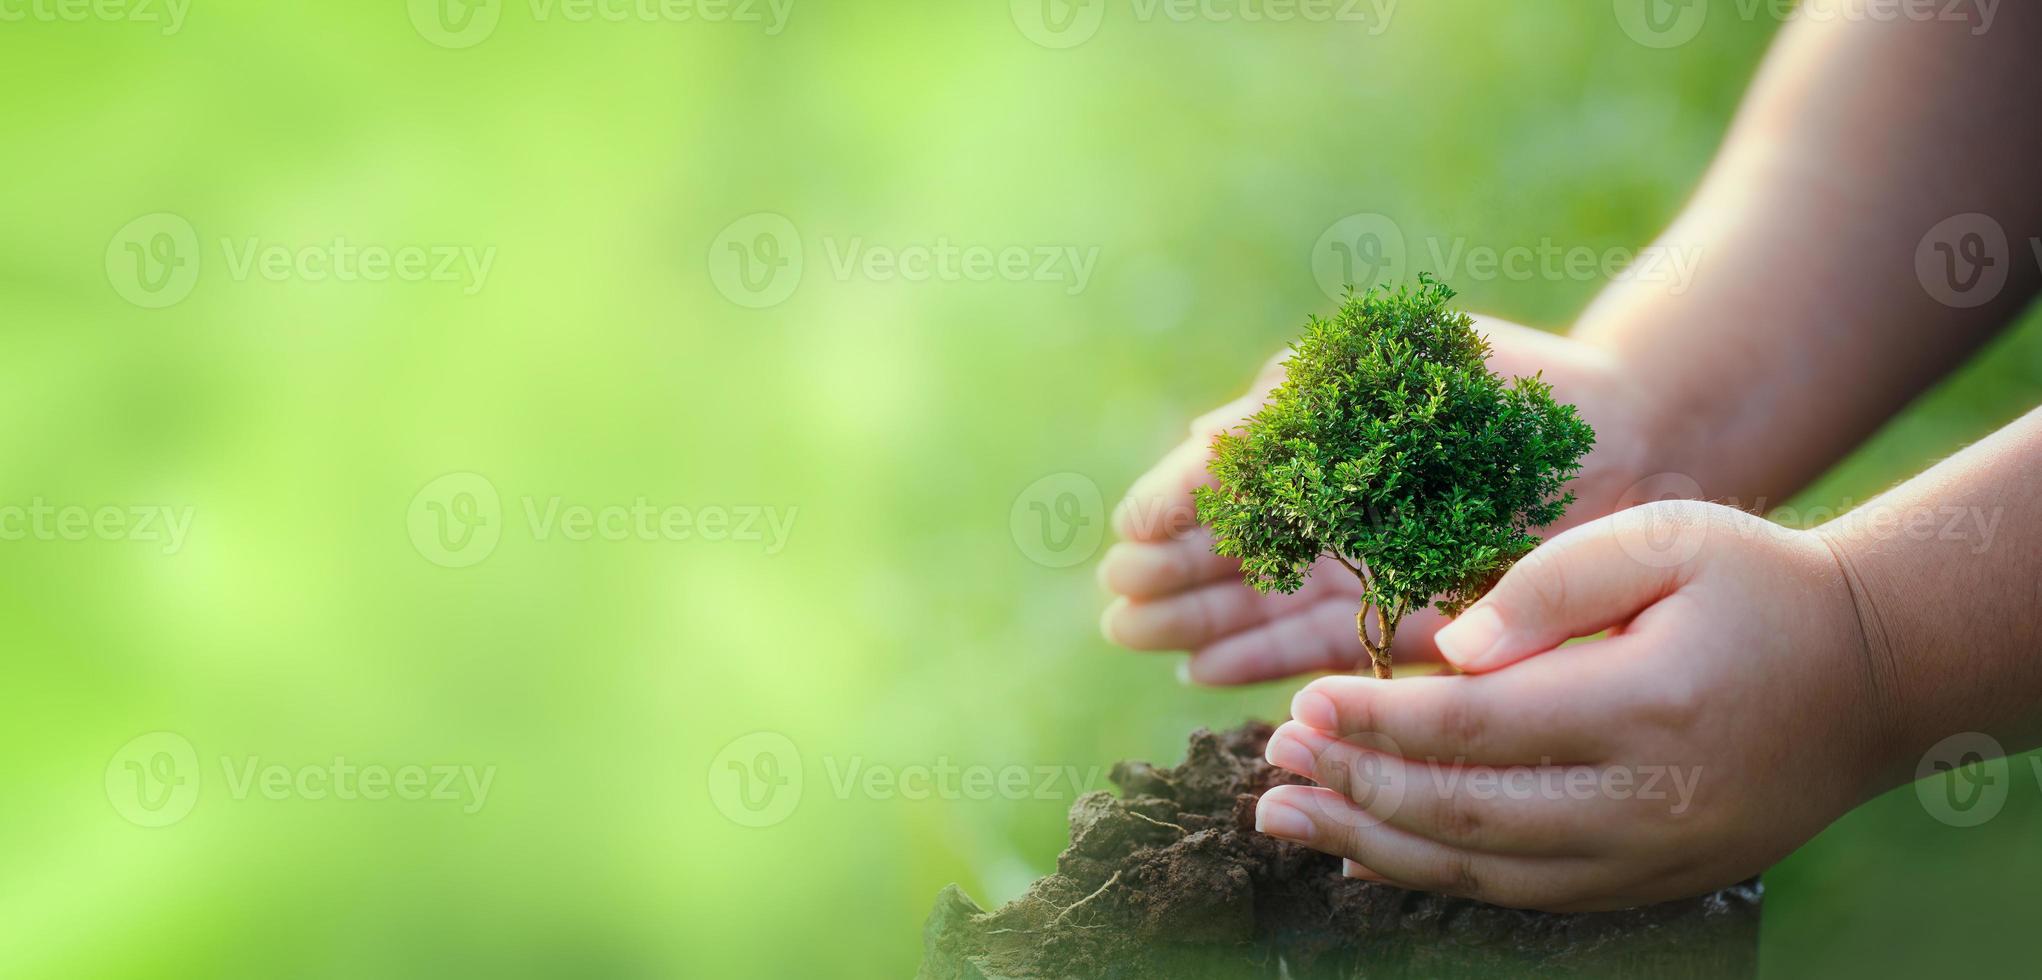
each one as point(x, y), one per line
point(1584, 581)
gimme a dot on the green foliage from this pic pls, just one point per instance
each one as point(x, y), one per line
point(1392, 447)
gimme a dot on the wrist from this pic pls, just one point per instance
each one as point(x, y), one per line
point(1891, 732)
point(1669, 452)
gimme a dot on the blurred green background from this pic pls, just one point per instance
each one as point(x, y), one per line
point(612, 354)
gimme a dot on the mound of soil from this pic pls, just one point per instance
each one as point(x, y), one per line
point(1171, 881)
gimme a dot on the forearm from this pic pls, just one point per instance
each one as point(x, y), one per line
point(1946, 575)
point(1805, 324)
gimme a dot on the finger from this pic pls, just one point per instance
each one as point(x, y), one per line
point(1190, 620)
point(1159, 505)
point(1324, 820)
point(1583, 581)
point(1351, 868)
point(1529, 810)
point(1145, 570)
point(1318, 639)
point(1228, 417)
point(1534, 713)
point(1516, 350)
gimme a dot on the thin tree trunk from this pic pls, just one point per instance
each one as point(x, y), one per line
point(1387, 628)
point(1378, 653)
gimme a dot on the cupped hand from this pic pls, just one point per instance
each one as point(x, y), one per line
point(1726, 715)
point(1172, 593)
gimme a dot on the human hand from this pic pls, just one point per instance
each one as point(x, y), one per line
point(1734, 679)
point(1173, 593)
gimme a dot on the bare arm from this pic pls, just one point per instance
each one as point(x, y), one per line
point(1946, 576)
point(1807, 324)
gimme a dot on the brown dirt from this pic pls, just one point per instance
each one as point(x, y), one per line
point(1171, 881)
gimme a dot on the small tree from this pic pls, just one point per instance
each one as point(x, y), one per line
point(1391, 448)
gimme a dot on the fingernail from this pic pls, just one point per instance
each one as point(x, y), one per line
point(1470, 641)
point(1286, 752)
point(1106, 619)
point(1282, 820)
point(1103, 573)
point(1184, 674)
point(1352, 870)
point(1310, 707)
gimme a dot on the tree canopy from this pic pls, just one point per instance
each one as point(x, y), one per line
point(1392, 447)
